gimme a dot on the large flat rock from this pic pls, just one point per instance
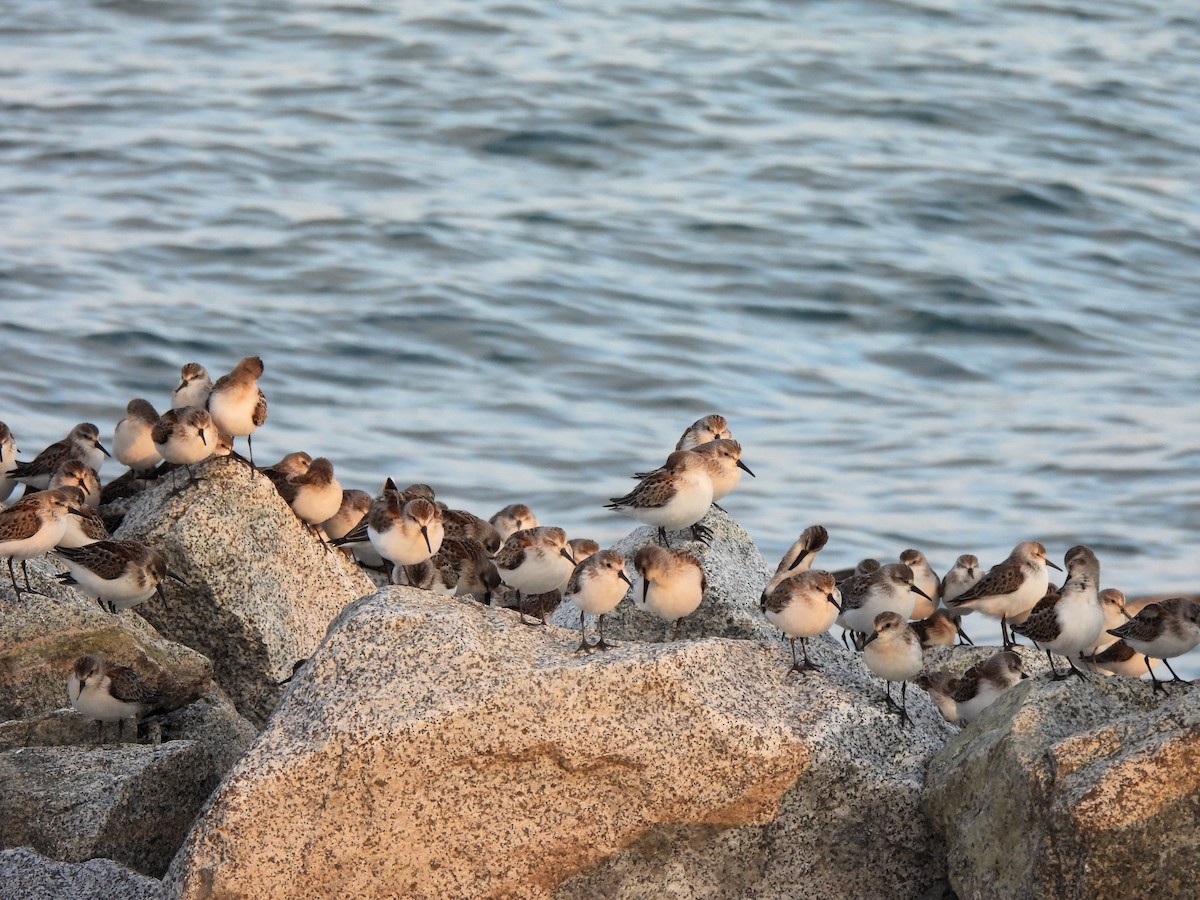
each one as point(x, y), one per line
point(436, 748)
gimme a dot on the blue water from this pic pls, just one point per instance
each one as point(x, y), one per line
point(936, 262)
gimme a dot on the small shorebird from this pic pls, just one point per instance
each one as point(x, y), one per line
point(1163, 630)
point(597, 584)
point(893, 652)
point(532, 561)
point(709, 428)
point(940, 629)
point(960, 578)
point(184, 437)
point(802, 605)
point(1112, 602)
point(1118, 658)
point(83, 444)
point(672, 584)
point(108, 692)
point(1071, 622)
point(981, 684)
point(723, 461)
point(476, 573)
point(890, 589)
point(76, 474)
point(119, 574)
point(676, 496)
point(8, 461)
point(85, 525)
point(353, 509)
point(132, 442)
point(940, 686)
point(236, 403)
point(314, 496)
point(461, 523)
point(800, 556)
point(1010, 588)
point(405, 534)
point(194, 387)
point(31, 527)
point(513, 518)
point(926, 579)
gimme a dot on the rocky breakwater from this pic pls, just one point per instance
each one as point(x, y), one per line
point(258, 595)
point(1073, 790)
point(259, 589)
point(433, 747)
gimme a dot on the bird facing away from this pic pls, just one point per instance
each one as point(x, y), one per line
point(236, 403)
point(1010, 588)
point(802, 605)
point(597, 584)
point(108, 692)
point(893, 652)
point(926, 579)
point(132, 443)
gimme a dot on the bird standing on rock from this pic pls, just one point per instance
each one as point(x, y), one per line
point(672, 584)
point(1010, 588)
point(802, 606)
point(236, 403)
point(893, 652)
point(534, 561)
point(676, 496)
point(596, 586)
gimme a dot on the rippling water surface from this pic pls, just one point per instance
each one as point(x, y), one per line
point(936, 262)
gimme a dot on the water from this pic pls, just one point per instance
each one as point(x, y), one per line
point(935, 261)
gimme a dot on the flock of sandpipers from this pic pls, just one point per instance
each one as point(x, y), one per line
point(892, 611)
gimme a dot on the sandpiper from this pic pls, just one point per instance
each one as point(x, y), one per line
point(981, 684)
point(890, 589)
point(1071, 623)
point(672, 584)
point(194, 386)
point(960, 578)
point(132, 442)
point(513, 518)
point(800, 556)
point(940, 686)
point(119, 574)
point(940, 629)
point(802, 605)
point(315, 495)
point(236, 403)
point(1163, 631)
point(893, 652)
point(108, 692)
point(926, 579)
point(33, 526)
point(532, 561)
point(1010, 588)
point(83, 444)
point(709, 428)
point(597, 584)
point(184, 437)
point(676, 496)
